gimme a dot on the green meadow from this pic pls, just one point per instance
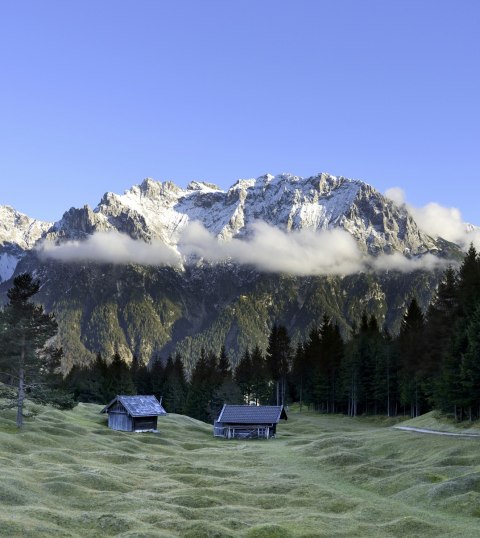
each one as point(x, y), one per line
point(68, 475)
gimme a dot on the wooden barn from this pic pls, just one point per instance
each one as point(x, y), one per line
point(248, 421)
point(134, 413)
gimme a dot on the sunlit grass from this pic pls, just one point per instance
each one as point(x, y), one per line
point(67, 474)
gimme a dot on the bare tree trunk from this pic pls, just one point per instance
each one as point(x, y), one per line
point(301, 393)
point(21, 386)
point(21, 397)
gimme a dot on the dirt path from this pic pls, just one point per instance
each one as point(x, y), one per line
point(435, 432)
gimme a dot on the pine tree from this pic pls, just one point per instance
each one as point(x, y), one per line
point(469, 283)
point(411, 345)
point(88, 383)
point(175, 388)
point(25, 330)
point(224, 366)
point(352, 374)
point(157, 377)
point(470, 367)
point(243, 375)
point(441, 319)
point(259, 377)
point(279, 358)
point(299, 374)
point(311, 357)
point(118, 378)
point(200, 389)
point(140, 376)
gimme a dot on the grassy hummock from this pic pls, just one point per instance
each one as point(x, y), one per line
point(66, 474)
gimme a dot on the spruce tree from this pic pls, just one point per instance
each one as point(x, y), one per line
point(25, 330)
point(175, 387)
point(119, 378)
point(279, 358)
point(470, 368)
point(411, 345)
point(259, 376)
point(243, 375)
point(200, 389)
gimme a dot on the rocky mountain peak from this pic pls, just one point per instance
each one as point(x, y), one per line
point(18, 234)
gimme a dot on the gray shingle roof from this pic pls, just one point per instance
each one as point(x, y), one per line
point(138, 406)
point(252, 414)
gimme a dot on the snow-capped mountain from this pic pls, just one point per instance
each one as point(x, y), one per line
point(155, 210)
point(18, 234)
point(152, 310)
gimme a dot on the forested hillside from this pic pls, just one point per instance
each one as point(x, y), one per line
point(432, 362)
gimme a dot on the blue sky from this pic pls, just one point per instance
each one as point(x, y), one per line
point(97, 95)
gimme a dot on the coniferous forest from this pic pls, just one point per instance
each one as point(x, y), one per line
point(433, 363)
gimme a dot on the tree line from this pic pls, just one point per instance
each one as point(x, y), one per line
point(432, 363)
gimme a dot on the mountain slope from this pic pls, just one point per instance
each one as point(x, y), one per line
point(155, 210)
point(149, 310)
point(18, 234)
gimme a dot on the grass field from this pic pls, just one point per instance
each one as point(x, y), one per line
point(68, 475)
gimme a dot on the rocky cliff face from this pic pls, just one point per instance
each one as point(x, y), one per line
point(151, 310)
point(155, 210)
point(18, 235)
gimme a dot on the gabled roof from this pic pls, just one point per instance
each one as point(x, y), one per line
point(252, 414)
point(138, 406)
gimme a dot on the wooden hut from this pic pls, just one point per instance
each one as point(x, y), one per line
point(134, 413)
point(248, 421)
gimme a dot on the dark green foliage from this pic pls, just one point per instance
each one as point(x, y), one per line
point(201, 389)
point(175, 388)
point(243, 375)
point(412, 346)
point(157, 378)
point(140, 376)
point(279, 359)
point(28, 359)
point(89, 384)
point(119, 378)
point(433, 361)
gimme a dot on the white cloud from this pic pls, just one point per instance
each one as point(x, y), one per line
point(267, 248)
point(303, 252)
point(398, 262)
point(396, 194)
point(111, 247)
point(438, 221)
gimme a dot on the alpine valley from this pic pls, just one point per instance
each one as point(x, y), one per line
point(152, 310)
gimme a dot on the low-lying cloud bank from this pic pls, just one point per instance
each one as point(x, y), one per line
point(268, 249)
point(110, 247)
point(438, 221)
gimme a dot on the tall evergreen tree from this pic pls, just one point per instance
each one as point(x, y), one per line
point(157, 377)
point(119, 378)
point(224, 366)
point(441, 319)
point(469, 283)
point(299, 374)
point(470, 368)
point(89, 383)
point(411, 345)
point(279, 358)
point(25, 330)
point(140, 376)
point(243, 375)
point(259, 377)
point(175, 388)
point(200, 389)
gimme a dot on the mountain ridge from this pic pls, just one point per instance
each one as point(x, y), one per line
point(151, 311)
